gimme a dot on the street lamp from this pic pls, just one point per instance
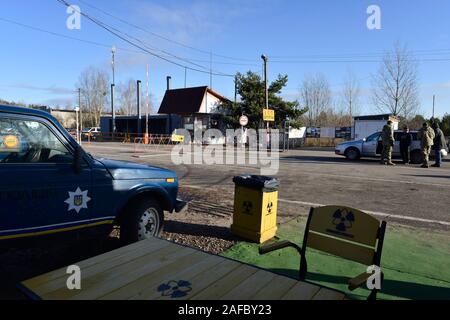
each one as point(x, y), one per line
point(266, 93)
point(77, 110)
point(113, 52)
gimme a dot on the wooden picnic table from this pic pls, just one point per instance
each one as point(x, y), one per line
point(159, 269)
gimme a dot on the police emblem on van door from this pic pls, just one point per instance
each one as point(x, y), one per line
point(78, 200)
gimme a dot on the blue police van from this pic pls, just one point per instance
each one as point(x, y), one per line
point(50, 186)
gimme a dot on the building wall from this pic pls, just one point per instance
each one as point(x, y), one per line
point(209, 103)
point(364, 128)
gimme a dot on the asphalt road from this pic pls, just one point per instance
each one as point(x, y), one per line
point(405, 194)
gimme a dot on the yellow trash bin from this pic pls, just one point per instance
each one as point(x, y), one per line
point(255, 208)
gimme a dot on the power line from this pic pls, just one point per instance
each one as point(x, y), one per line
point(355, 61)
point(380, 54)
point(118, 34)
point(161, 36)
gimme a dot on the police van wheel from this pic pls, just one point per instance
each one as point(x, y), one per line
point(145, 220)
point(352, 154)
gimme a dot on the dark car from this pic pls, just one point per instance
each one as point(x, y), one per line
point(49, 185)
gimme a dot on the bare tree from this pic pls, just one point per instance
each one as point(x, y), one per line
point(316, 96)
point(395, 85)
point(350, 95)
point(94, 85)
point(128, 97)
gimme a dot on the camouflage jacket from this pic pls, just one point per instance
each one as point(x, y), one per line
point(426, 136)
point(387, 135)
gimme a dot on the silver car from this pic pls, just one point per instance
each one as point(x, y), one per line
point(372, 147)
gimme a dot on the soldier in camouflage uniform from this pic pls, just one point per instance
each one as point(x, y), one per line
point(387, 136)
point(426, 136)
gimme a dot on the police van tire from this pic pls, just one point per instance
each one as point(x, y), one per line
point(352, 154)
point(144, 220)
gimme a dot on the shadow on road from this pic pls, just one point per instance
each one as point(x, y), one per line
point(428, 176)
point(326, 159)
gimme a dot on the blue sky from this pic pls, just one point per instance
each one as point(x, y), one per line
point(41, 68)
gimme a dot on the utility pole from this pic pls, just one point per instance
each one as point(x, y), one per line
point(266, 93)
point(81, 117)
point(138, 95)
point(434, 101)
point(77, 110)
point(210, 69)
point(185, 77)
point(146, 138)
point(113, 85)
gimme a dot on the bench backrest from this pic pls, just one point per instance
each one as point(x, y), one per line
point(345, 232)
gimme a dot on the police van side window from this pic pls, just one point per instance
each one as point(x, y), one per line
point(25, 141)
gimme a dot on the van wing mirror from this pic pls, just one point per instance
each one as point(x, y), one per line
point(77, 160)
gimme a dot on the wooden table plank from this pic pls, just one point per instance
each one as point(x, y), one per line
point(246, 289)
point(326, 294)
point(225, 284)
point(137, 272)
point(183, 273)
point(301, 291)
point(206, 279)
point(100, 282)
point(133, 288)
point(276, 289)
point(128, 252)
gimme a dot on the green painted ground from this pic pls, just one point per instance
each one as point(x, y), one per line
point(416, 263)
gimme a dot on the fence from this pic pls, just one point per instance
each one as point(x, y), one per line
point(154, 142)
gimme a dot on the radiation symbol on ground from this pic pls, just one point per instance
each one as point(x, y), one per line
point(175, 289)
point(269, 208)
point(248, 206)
point(343, 219)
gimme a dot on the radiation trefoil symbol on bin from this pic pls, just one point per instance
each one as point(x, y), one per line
point(248, 206)
point(175, 289)
point(78, 200)
point(269, 208)
point(343, 220)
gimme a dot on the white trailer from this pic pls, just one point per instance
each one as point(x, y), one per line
point(364, 126)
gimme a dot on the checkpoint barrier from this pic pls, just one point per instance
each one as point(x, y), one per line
point(155, 142)
point(123, 137)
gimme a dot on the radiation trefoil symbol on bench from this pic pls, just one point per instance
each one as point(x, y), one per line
point(78, 200)
point(248, 206)
point(175, 289)
point(343, 220)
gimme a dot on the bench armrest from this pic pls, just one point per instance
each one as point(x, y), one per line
point(277, 246)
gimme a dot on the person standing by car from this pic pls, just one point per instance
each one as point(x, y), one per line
point(426, 136)
point(439, 144)
point(405, 142)
point(387, 136)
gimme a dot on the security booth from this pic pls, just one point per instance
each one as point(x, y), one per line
point(255, 207)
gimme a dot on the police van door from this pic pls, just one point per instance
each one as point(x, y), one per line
point(40, 193)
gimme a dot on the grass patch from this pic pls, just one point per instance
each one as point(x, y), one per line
point(415, 263)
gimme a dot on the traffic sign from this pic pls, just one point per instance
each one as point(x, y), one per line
point(243, 121)
point(269, 115)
